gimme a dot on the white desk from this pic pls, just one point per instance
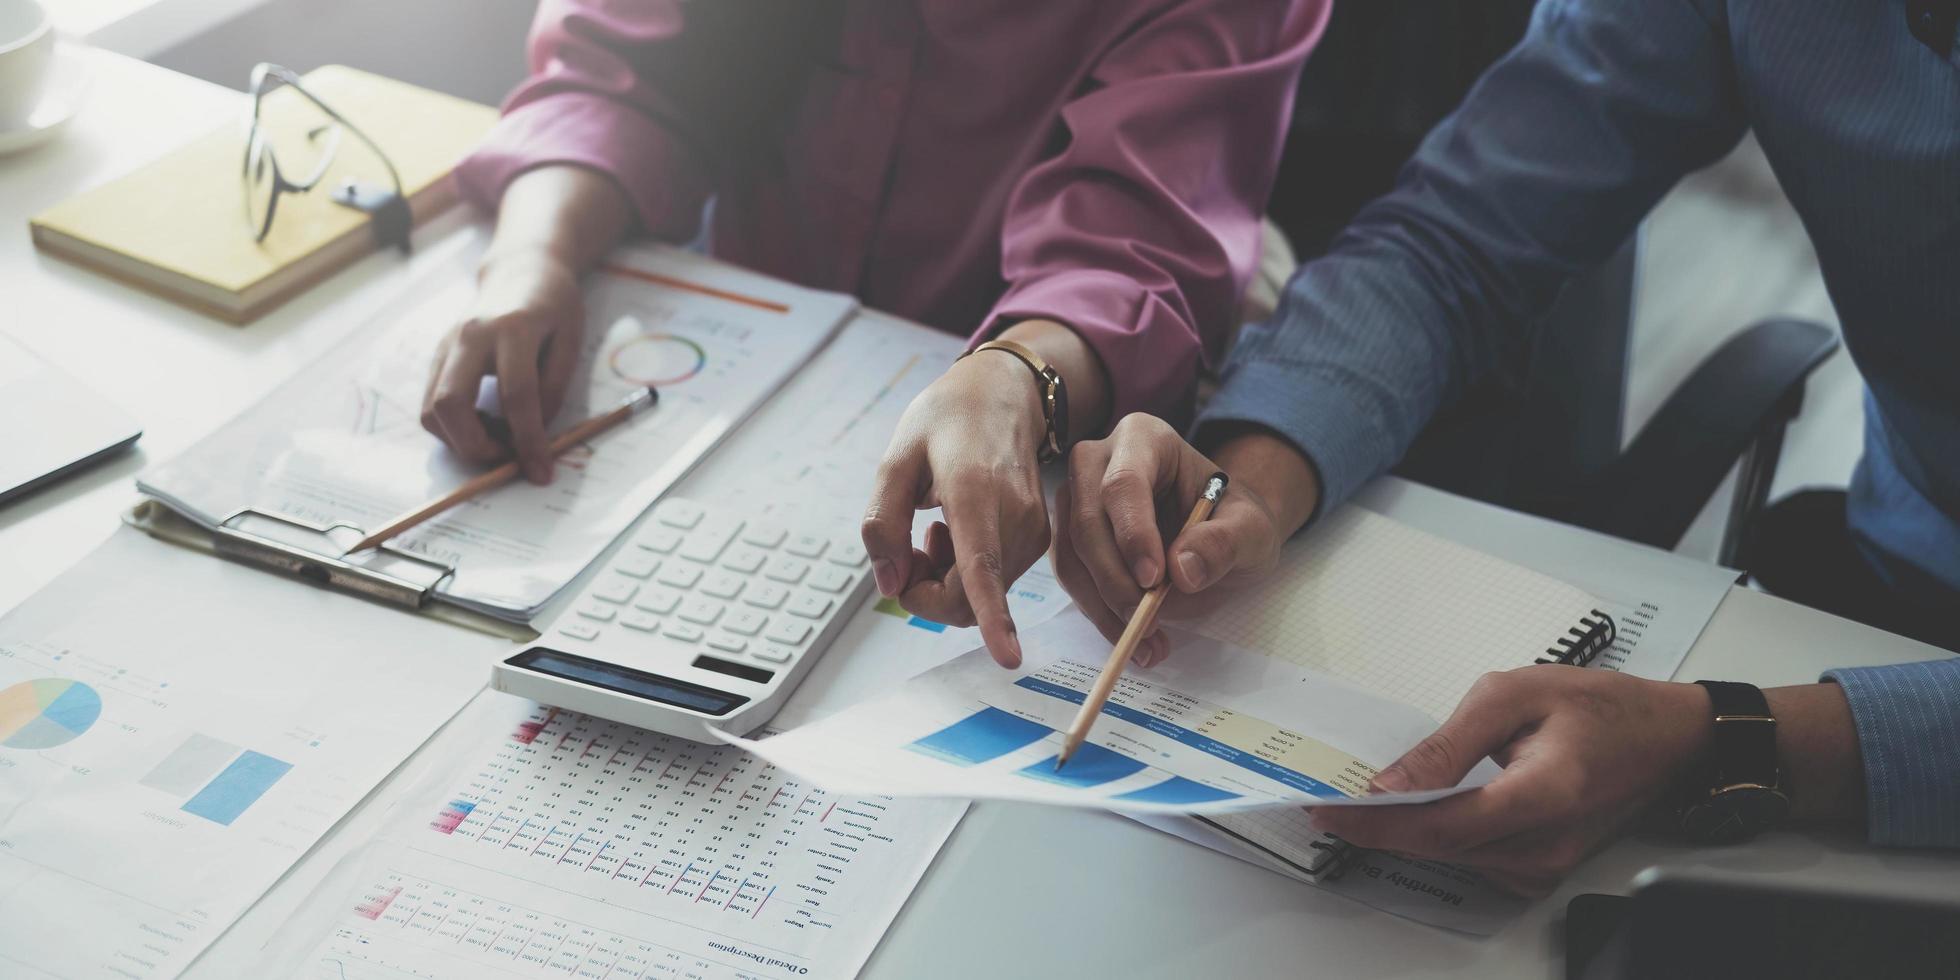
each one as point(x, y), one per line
point(1019, 891)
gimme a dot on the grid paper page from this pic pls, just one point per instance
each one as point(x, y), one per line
point(1398, 611)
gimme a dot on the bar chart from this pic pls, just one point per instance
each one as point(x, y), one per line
point(219, 781)
point(1135, 755)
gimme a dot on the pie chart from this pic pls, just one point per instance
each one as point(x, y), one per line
point(46, 712)
point(657, 359)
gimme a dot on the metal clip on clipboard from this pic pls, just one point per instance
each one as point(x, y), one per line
point(231, 539)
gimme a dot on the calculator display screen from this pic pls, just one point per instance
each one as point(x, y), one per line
point(626, 680)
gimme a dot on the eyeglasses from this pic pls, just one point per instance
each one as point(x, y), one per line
point(266, 181)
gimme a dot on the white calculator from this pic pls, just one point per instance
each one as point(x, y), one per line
point(704, 620)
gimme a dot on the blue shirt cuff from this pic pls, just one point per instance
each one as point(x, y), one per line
point(1908, 721)
point(1317, 409)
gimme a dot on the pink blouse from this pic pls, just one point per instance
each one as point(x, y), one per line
point(1102, 163)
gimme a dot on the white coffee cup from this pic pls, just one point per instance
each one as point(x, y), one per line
point(26, 59)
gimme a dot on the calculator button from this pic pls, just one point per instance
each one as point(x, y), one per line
point(764, 535)
point(745, 560)
point(847, 553)
point(830, 579)
point(745, 622)
point(766, 595)
point(660, 539)
point(773, 654)
point(731, 644)
point(598, 611)
point(638, 565)
point(809, 605)
point(661, 601)
point(579, 631)
point(789, 631)
point(683, 514)
point(708, 542)
point(722, 585)
point(790, 570)
point(683, 632)
point(807, 546)
point(643, 622)
point(617, 591)
point(680, 576)
point(699, 610)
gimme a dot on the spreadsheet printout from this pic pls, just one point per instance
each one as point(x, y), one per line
point(343, 441)
point(573, 846)
point(177, 731)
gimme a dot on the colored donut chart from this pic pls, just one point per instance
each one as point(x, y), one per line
point(657, 359)
point(46, 712)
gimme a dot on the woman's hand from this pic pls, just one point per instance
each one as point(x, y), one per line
point(968, 445)
point(524, 329)
point(1585, 753)
point(1128, 494)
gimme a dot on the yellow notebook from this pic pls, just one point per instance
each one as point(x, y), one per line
point(177, 225)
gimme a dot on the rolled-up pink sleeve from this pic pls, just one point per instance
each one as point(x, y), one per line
point(603, 94)
point(1143, 230)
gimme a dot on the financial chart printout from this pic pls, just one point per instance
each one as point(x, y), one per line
point(583, 848)
point(1215, 729)
point(176, 731)
point(344, 443)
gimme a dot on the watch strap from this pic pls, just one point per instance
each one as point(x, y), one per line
point(1744, 746)
point(1053, 402)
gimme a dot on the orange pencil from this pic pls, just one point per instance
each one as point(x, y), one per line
point(638, 401)
point(1139, 627)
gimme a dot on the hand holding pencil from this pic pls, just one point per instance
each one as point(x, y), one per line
point(488, 480)
point(1142, 622)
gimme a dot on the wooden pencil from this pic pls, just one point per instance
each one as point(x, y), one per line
point(490, 479)
point(1140, 625)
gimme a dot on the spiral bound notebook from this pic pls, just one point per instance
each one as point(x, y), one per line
point(1405, 614)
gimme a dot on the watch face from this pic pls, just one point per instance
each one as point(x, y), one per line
point(1735, 814)
point(1060, 394)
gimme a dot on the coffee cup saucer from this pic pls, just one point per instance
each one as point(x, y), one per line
point(68, 84)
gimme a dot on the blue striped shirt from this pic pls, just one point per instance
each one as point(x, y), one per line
point(1552, 160)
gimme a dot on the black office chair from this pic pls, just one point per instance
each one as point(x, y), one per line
point(1549, 441)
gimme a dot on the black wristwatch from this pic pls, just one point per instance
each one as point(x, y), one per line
point(1740, 793)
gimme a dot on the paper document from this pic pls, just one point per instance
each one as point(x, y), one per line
point(576, 847)
point(175, 731)
point(1397, 611)
point(344, 443)
point(1216, 729)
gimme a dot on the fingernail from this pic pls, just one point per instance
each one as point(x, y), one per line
point(1013, 651)
point(1146, 572)
point(541, 475)
point(1194, 568)
point(1389, 781)
point(886, 573)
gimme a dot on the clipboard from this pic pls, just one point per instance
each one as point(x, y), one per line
point(243, 538)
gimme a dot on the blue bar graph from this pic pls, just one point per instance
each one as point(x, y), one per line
point(986, 734)
point(1177, 789)
point(1091, 765)
point(239, 786)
